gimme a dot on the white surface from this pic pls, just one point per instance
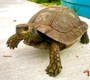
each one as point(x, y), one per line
point(28, 63)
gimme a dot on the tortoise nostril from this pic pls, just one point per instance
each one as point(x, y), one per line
point(25, 28)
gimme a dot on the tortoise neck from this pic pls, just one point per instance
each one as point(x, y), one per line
point(35, 36)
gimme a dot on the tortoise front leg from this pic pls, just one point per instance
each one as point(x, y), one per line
point(54, 67)
point(13, 41)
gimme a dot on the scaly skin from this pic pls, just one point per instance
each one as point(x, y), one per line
point(85, 38)
point(13, 41)
point(54, 67)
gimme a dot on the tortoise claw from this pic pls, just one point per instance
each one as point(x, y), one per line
point(53, 71)
point(13, 48)
point(7, 46)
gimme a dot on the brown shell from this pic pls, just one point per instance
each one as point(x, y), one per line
point(59, 23)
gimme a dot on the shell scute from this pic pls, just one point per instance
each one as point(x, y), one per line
point(61, 23)
point(45, 18)
point(54, 35)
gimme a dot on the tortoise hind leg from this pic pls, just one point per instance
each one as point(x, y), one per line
point(54, 67)
point(84, 38)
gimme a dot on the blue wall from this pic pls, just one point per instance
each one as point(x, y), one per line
point(81, 7)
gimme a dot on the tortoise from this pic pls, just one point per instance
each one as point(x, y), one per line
point(54, 28)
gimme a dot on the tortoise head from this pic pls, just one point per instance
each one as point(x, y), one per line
point(22, 30)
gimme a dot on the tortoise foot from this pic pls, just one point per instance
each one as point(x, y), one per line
point(85, 41)
point(13, 42)
point(53, 69)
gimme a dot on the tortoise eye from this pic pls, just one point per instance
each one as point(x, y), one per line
point(25, 28)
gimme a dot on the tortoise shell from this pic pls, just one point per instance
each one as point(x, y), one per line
point(59, 23)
